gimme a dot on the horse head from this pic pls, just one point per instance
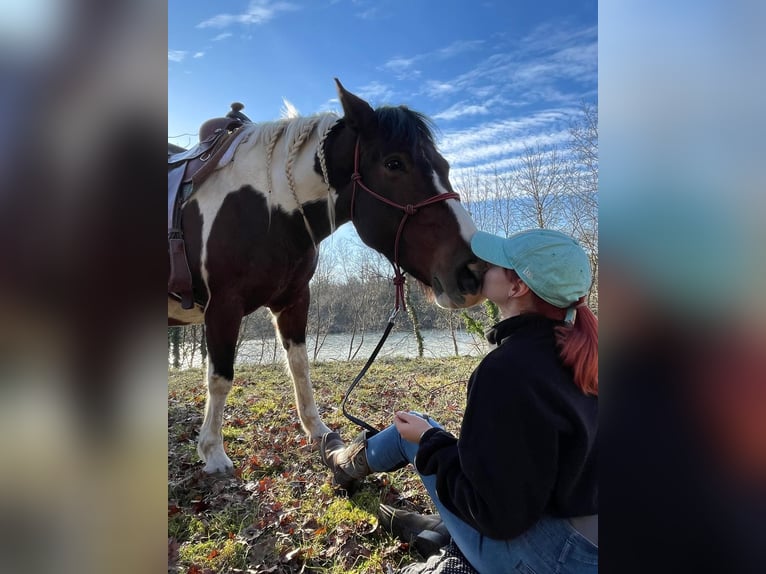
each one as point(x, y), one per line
point(402, 203)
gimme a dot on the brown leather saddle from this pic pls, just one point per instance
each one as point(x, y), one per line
point(186, 170)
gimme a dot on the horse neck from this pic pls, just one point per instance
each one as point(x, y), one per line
point(295, 136)
point(338, 147)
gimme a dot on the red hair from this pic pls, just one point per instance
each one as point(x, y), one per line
point(578, 348)
point(578, 343)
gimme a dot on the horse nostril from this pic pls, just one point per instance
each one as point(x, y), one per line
point(468, 282)
point(436, 286)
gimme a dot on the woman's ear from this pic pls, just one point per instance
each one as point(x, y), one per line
point(518, 288)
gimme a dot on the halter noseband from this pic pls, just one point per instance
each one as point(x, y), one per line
point(408, 209)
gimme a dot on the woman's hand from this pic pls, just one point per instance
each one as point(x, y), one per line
point(410, 426)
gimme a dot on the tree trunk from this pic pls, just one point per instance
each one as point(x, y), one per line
point(174, 338)
point(413, 315)
point(202, 345)
point(451, 323)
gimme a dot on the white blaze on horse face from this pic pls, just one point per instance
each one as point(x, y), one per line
point(210, 444)
point(464, 221)
point(298, 363)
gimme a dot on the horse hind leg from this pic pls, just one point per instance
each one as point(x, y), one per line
point(291, 325)
point(222, 328)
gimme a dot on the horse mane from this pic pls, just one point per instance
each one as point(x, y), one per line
point(410, 128)
point(294, 132)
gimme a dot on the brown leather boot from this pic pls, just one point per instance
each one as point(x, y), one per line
point(425, 532)
point(348, 463)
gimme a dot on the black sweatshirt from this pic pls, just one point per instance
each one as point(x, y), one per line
point(527, 445)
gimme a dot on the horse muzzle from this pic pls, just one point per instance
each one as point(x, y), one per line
point(463, 287)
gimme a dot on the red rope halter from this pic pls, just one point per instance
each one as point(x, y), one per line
point(409, 209)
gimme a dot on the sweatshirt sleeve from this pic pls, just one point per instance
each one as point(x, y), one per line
point(498, 477)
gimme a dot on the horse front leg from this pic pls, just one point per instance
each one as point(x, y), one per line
point(222, 322)
point(291, 326)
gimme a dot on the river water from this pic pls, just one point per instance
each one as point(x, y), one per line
point(335, 347)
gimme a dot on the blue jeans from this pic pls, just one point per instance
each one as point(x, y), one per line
point(551, 546)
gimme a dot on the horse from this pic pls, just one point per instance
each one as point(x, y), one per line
point(252, 230)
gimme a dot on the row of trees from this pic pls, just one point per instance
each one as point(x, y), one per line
point(550, 187)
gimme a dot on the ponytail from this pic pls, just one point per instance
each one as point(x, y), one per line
point(577, 342)
point(578, 348)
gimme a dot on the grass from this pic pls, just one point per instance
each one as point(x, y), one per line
point(278, 512)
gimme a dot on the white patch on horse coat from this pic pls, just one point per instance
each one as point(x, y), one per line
point(298, 363)
point(210, 443)
point(464, 221)
point(251, 166)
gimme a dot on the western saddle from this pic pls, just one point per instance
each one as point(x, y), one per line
point(186, 170)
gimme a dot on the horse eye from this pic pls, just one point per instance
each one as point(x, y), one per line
point(394, 165)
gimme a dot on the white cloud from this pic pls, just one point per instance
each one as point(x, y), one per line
point(375, 93)
point(548, 35)
point(515, 128)
point(458, 47)
point(533, 71)
point(368, 9)
point(222, 36)
point(399, 64)
point(461, 109)
point(404, 67)
point(198, 54)
point(331, 105)
point(176, 55)
point(503, 158)
point(494, 145)
point(258, 12)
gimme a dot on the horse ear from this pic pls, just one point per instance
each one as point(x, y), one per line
point(358, 114)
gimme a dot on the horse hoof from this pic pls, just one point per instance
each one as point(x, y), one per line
point(219, 465)
point(219, 470)
point(318, 433)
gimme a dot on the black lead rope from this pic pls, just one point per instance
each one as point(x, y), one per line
point(371, 429)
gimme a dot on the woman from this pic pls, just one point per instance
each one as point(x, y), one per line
point(518, 490)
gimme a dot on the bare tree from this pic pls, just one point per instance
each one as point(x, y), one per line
point(202, 342)
point(363, 272)
point(475, 194)
point(321, 311)
point(583, 187)
point(174, 342)
point(242, 337)
point(412, 313)
point(540, 183)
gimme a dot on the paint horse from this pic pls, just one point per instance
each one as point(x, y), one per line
point(253, 227)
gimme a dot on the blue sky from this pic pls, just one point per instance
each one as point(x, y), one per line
point(493, 76)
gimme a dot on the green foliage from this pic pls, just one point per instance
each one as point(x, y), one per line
point(220, 557)
point(479, 325)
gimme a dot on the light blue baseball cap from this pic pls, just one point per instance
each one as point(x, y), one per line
point(553, 264)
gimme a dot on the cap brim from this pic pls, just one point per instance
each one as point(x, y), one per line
point(489, 248)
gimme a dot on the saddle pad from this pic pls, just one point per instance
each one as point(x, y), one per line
point(228, 155)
